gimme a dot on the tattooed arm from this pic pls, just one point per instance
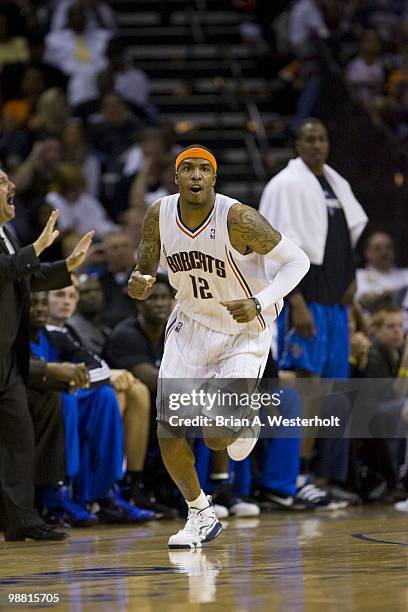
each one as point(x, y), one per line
point(249, 231)
point(148, 255)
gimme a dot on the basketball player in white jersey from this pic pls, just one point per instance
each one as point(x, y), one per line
point(231, 270)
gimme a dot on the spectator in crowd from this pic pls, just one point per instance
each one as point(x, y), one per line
point(77, 151)
point(17, 111)
point(152, 147)
point(85, 324)
point(137, 342)
point(12, 48)
point(132, 84)
point(78, 53)
point(39, 169)
point(120, 261)
point(154, 180)
point(51, 114)
point(79, 211)
point(17, 138)
point(366, 73)
point(116, 131)
point(92, 417)
point(306, 21)
point(12, 74)
point(98, 13)
point(380, 281)
point(313, 205)
point(46, 382)
point(387, 360)
point(359, 341)
point(133, 395)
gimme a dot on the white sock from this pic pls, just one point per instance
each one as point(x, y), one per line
point(200, 502)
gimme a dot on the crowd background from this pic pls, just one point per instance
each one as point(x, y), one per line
point(80, 132)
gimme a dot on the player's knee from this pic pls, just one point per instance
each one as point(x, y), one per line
point(216, 444)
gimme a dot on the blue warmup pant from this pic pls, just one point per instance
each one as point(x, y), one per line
point(100, 442)
point(326, 353)
point(93, 444)
point(281, 460)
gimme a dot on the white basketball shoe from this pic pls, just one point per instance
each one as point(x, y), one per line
point(243, 445)
point(201, 527)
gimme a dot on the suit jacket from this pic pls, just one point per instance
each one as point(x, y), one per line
point(20, 274)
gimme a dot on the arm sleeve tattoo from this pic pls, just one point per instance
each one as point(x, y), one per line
point(250, 231)
point(148, 253)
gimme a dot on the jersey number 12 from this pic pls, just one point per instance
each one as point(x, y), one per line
point(202, 288)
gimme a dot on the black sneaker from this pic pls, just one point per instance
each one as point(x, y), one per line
point(271, 500)
point(318, 499)
point(142, 498)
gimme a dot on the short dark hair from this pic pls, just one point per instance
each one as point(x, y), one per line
point(313, 120)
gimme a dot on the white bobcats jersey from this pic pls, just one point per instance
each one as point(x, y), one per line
point(205, 269)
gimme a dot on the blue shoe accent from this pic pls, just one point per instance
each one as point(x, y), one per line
point(114, 509)
point(215, 531)
point(74, 513)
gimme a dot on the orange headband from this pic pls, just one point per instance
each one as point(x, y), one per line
point(198, 153)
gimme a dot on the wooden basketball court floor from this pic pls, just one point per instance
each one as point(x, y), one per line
point(354, 559)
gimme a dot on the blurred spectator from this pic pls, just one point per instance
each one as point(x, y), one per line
point(366, 73)
point(154, 180)
point(79, 211)
point(33, 178)
point(51, 114)
point(76, 151)
point(133, 396)
point(98, 15)
point(120, 262)
point(85, 323)
point(12, 74)
point(306, 21)
point(359, 341)
point(131, 83)
point(137, 343)
point(16, 112)
point(380, 282)
point(387, 360)
point(94, 436)
point(12, 48)
point(80, 54)
point(116, 130)
point(152, 147)
point(39, 169)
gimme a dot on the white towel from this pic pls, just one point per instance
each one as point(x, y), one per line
point(294, 203)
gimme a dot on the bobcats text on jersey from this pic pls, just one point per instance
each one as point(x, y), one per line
point(195, 260)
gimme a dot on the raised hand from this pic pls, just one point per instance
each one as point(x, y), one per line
point(79, 253)
point(48, 235)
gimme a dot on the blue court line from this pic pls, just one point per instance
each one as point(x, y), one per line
point(367, 538)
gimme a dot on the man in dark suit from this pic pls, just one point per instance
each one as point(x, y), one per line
point(20, 271)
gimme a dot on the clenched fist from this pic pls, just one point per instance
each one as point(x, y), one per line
point(139, 285)
point(242, 311)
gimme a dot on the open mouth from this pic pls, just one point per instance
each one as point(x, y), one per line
point(195, 189)
point(10, 199)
